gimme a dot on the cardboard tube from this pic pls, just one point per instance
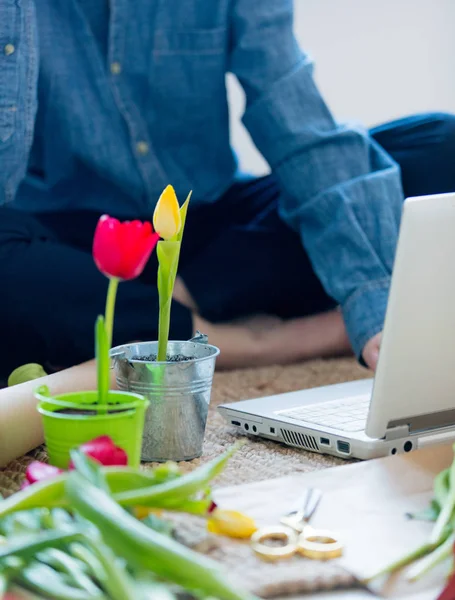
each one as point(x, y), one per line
point(20, 422)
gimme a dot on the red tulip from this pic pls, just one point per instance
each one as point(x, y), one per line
point(104, 451)
point(448, 593)
point(38, 471)
point(121, 250)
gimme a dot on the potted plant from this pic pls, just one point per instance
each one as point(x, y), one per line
point(120, 251)
point(175, 376)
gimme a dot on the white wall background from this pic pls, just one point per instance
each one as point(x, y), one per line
point(375, 60)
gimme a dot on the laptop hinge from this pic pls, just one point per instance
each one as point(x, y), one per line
point(395, 433)
point(437, 420)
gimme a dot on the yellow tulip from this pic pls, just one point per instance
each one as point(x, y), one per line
point(166, 218)
point(231, 523)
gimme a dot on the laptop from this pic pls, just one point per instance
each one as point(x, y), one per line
point(410, 403)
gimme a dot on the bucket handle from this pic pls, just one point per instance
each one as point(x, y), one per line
point(199, 338)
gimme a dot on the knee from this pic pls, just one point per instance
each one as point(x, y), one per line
point(444, 131)
point(17, 226)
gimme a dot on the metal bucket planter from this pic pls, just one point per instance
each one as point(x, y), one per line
point(178, 390)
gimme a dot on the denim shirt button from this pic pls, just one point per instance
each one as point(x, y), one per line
point(9, 49)
point(142, 148)
point(116, 68)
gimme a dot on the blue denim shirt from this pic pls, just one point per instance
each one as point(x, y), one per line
point(82, 129)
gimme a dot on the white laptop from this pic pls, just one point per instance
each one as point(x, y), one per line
point(411, 402)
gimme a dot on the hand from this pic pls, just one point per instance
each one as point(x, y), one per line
point(371, 351)
point(265, 340)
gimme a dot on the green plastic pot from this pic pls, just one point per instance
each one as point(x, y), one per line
point(122, 419)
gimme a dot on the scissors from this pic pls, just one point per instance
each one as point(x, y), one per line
point(296, 536)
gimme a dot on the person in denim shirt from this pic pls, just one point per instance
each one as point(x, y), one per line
point(102, 104)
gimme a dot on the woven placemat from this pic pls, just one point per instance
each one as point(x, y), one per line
point(257, 459)
point(291, 577)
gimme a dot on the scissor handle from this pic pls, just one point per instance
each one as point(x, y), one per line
point(286, 535)
point(307, 504)
point(312, 499)
point(304, 509)
point(319, 544)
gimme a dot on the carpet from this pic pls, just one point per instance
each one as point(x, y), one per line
point(257, 459)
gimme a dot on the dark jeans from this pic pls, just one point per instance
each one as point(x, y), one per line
point(231, 261)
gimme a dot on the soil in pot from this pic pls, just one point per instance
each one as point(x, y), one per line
point(173, 358)
point(75, 411)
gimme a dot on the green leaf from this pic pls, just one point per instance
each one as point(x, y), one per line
point(441, 487)
point(447, 508)
point(90, 559)
point(28, 547)
point(60, 519)
point(43, 580)
point(22, 523)
point(181, 489)
point(147, 587)
point(402, 562)
point(102, 360)
point(145, 549)
point(118, 583)
point(3, 583)
point(190, 506)
point(183, 212)
point(428, 562)
point(90, 469)
point(73, 568)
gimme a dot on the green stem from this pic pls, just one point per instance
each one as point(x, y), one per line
point(118, 583)
point(94, 566)
point(144, 548)
point(27, 547)
point(51, 492)
point(110, 306)
point(430, 561)
point(69, 566)
point(44, 581)
point(402, 562)
point(174, 491)
point(163, 328)
point(102, 361)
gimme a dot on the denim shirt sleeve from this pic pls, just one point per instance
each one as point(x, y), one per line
point(341, 191)
point(18, 91)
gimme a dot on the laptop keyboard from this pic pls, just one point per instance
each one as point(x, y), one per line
point(349, 414)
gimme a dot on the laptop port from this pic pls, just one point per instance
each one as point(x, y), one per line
point(343, 447)
point(272, 429)
point(255, 428)
point(246, 426)
point(236, 423)
point(324, 441)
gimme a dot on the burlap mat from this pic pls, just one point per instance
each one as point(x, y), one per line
point(256, 460)
point(291, 577)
